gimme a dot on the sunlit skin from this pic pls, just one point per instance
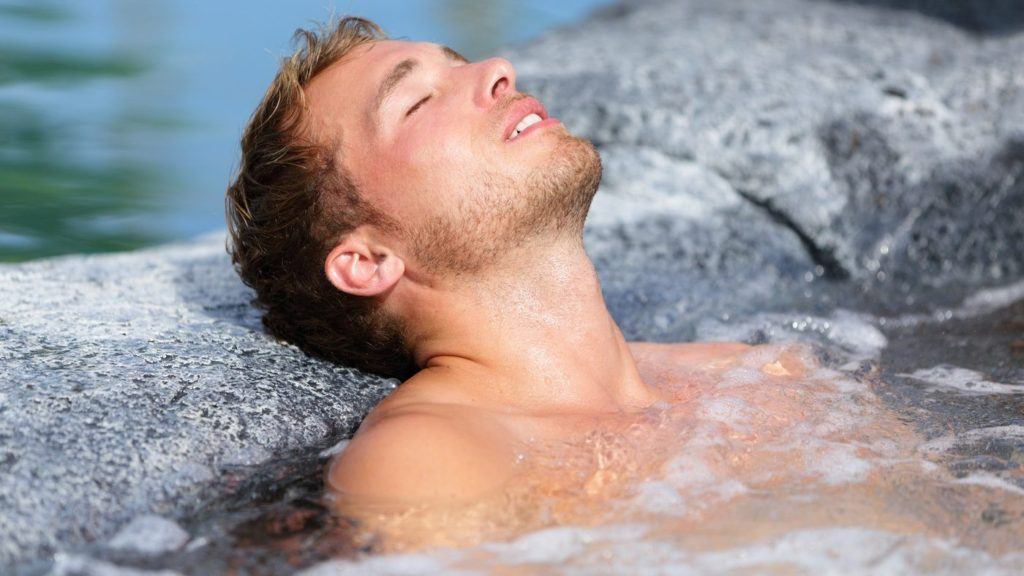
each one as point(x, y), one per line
point(522, 349)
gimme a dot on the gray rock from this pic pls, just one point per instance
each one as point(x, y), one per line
point(762, 156)
point(988, 16)
point(887, 146)
point(142, 383)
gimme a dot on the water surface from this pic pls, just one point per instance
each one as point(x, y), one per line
point(120, 120)
point(897, 451)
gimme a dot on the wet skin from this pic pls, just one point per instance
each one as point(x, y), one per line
point(751, 443)
point(516, 345)
point(474, 440)
point(434, 465)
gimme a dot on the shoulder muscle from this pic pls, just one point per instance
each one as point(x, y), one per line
point(420, 456)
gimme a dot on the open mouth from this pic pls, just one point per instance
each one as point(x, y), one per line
point(526, 116)
point(525, 123)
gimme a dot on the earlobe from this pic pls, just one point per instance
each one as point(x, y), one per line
point(355, 268)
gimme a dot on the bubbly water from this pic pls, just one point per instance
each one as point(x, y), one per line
point(758, 474)
point(897, 452)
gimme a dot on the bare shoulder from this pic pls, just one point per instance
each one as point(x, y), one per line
point(687, 351)
point(423, 453)
point(677, 368)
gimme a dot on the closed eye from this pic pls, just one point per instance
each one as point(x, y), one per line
point(417, 105)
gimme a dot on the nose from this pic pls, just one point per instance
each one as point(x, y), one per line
point(497, 80)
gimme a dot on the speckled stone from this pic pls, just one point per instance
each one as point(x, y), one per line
point(140, 383)
point(760, 156)
point(877, 153)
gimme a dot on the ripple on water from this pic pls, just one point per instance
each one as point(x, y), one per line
point(804, 465)
point(766, 468)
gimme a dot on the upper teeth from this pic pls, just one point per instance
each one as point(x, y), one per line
point(525, 123)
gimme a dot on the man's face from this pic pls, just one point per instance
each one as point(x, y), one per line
point(430, 139)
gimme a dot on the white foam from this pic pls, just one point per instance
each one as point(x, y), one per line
point(749, 431)
point(939, 445)
point(393, 565)
point(150, 534)
point(992, 299)
point(65, 564)
point(559, 545)
point(989, 481)
point(335, 450)
point(837, 421)
point(854, 333)
point(949, 377)
point(978, 304)
point(741, 376)
point(728, 410)
point(849, 551)
point(1013, 432)
point(837, 464)
point(630, 549)
point(689, 471)
point(659, 497)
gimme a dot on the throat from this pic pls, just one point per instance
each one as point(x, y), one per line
point(535, 338)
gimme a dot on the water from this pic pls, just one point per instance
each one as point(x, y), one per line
point(879, 444)
point(120, 120)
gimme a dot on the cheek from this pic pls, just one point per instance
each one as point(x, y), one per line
point(421, 174)
point(436, 157)
point(436, 144)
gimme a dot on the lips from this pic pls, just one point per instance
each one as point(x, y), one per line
point(519, 110)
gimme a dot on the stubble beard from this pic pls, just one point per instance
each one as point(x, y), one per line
point(552, 204)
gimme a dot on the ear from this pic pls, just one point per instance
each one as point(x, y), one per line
point(356, 266)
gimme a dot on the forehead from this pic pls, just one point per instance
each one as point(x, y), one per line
point(337, 96)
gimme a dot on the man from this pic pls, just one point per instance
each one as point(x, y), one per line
point(405, 211)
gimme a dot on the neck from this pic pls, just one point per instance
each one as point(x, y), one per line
point(533, 331)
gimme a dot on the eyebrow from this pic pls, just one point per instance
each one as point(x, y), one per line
point(399, 73)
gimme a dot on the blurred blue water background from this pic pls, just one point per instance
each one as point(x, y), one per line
point(120, 120)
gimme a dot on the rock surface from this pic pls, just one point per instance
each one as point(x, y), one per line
point(142, 383)
point(761, 157)
point(879, 150)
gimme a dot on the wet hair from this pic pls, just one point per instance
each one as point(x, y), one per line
point(289, 205)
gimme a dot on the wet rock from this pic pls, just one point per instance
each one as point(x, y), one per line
point(987, 17)
point(874, 147)
point(142, 384)
point(769, 164)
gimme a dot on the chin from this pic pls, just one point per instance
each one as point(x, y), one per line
point(552, 201)
point(559, 192)
point(575, 173)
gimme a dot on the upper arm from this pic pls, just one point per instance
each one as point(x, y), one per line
point(420, 457)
